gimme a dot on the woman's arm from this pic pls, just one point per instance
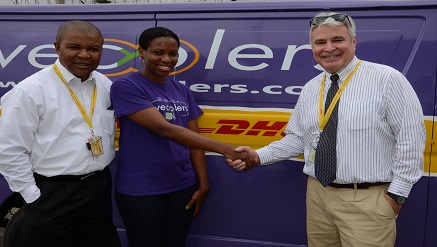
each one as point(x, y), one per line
point(153, 120)
point(199, 163)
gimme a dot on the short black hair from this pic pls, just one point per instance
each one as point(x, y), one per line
point(77, 26)
point(155, 32)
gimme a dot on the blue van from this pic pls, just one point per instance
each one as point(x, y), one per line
point(245, 63)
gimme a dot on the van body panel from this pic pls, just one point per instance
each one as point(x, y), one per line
point(246, 63)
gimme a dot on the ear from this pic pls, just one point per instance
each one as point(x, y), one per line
point(57, 47)
point(141, 51)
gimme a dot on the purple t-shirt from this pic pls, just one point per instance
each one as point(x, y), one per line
point(150, 164)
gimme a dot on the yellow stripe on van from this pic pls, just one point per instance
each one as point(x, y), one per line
point(256, 129)
point(428, 146)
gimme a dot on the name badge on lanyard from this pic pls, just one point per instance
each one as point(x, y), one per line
point(94, 143)
point(312, 157)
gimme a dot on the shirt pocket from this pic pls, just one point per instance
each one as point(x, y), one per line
point(360, 115)
point(106, 122)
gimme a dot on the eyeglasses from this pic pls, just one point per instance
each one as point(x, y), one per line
point(315, 21)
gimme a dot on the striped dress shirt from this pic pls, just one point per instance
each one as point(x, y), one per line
point(380, 134)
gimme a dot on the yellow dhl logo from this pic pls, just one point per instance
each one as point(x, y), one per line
point(254, 129)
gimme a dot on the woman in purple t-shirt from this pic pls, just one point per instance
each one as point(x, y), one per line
point(161, 180)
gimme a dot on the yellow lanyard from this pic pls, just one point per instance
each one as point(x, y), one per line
point(77, 101)
point(323, 118)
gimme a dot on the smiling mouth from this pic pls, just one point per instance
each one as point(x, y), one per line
point(82, 64)
point(331, 57)
point(165, 67)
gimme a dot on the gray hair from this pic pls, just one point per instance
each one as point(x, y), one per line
point(349, 23)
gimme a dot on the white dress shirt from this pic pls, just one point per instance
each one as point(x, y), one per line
point(43, 131)
point(380, 134)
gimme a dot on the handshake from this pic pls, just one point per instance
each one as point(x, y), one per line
point(242, 158)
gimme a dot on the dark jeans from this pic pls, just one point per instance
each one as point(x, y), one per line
point(70, 212)
point(157, 220)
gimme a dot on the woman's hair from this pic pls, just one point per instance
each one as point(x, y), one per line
point(155, 32)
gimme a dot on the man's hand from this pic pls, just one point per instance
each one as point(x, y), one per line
point(249, 160)
point(396, 206)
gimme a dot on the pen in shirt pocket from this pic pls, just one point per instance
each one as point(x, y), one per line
point(111, 108)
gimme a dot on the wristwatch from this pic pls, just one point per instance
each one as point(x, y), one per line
point(398, 199)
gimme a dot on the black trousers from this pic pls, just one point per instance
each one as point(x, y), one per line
point(71, 212)
point(157, 220)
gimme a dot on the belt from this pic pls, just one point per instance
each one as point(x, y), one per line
point(357, 185)
point(66, 178)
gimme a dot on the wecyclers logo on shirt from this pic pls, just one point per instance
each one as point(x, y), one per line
point(169, 108)
point(121, 57)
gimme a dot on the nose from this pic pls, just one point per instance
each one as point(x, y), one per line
point(329, 47)
point(166, 58)
point(83, 53)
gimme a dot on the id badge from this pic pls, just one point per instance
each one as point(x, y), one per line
point(96, 146)
point(312, 156)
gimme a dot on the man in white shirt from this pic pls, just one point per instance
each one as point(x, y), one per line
point(56, 141)
point(378, 140)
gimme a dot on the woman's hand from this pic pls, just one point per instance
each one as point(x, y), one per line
point(197, 199)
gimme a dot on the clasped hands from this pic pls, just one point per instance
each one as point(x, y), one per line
point(242, 158)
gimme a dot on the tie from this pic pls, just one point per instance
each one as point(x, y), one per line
point(326, 153)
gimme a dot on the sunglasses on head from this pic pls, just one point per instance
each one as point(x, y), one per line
point(315, 21)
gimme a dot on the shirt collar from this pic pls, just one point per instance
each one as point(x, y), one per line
point(69, 77)
point(345, 71)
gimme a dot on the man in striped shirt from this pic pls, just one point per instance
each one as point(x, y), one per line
point(380, 141)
